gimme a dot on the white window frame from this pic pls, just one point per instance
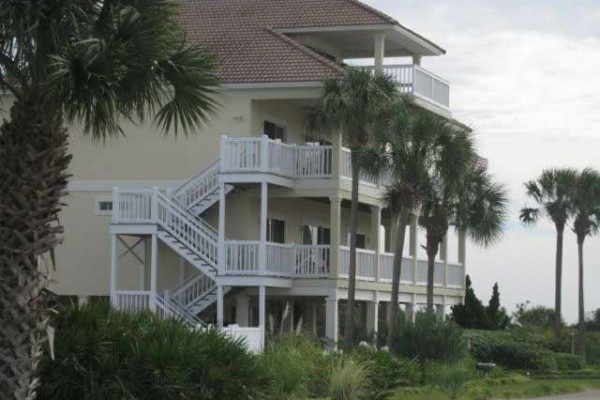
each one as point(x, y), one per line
point(279, 123)
point(100, 212)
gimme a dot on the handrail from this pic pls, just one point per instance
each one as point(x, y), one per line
point(197, 188)
point(171, 309)
point(193, 289)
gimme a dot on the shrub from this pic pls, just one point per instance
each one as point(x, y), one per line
point(349, 380)
point(568, 362)
point(431, 339)
point(104, 354)
point(297, 366)
point(514, 355)
point(385, 370)
point(538, 316)
point(452, 379)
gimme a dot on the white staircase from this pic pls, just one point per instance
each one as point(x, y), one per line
point(202, 191)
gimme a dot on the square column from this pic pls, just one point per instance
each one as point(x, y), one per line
point(221, 232)
point(376, 238)
point(331, 318)
point(113, 270)
point(440, 311)
point(262, 250)
point(373, 314)
point(335, 224)
point(262, 312)
point(444, 258)
point(411, 312)
point(220, 305)
point(414, 245)
point(153, 272)
point(379, 52)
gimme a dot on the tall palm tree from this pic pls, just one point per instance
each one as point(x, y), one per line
point(406, 146)
point(586, 207)
point(553, 192)
point(464, 196)
point(93, 62)
point(352, 106)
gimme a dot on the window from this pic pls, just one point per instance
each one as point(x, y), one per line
point(274, 131)
point(315, 235)
point(275, 230)
point(103, 207)
point(361, 241)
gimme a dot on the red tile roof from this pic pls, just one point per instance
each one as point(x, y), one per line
point(241, 33)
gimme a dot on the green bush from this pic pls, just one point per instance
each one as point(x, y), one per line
point(297, 366)
point(386, 372)
point(568, 362)
point(104, 354)
point(514, 355)
point(349, 380)
point(431, 339)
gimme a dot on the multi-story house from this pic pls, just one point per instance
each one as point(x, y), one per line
point(251, 213)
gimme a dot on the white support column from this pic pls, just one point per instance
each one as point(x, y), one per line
point(336, 154)
point(414, 246)
point(335, 224)
point(376, 238)
point(440, 309)
point(144, 265)
point(242, 307)
point(220, 305)
point(262, 312)
point(83, 300)
point(113, 270)
point(181, 269)
point(462, 254)
point(373, 314)
point(444, 257)
point(379, 51)
point(153, 272)
point(416, 59)
point(264, 153)
point(262, 250)
point(410, 311)
point(331, 318)
point(221, 233)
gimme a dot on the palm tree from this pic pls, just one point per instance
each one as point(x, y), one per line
point(465, 196)
point(586, 207)
point(553, 192)
point(406, 146)
point(352, 106)
point(93, 62)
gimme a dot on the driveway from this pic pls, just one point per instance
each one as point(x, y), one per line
point(589, 395)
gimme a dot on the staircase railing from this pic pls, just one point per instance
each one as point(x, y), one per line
point(193, 289)
point(167, 308)
point(196, 234)
point(196, 189)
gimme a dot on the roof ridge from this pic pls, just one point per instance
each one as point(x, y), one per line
point(374, 11)
point(310, 52)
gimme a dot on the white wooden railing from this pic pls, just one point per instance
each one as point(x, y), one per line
point(312, 261)
point(167, 308)
point(264, 155)
point(241, 257)
point(346, 171)
point(133, 300)
point(193, 289)
point(192, 232)
point(366, 262)
point(455, 276)
point(132, 206)
point(200, 186)
point(415, 80)
point(387, 269)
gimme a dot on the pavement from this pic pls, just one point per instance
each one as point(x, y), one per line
point(589, 395)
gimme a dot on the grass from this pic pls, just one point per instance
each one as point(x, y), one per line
point(503, 389)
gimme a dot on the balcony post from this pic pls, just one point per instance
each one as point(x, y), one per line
point(335, 228)
point(220, 305)
point(221, 233)
point(376, 238)
point(462, 253)
point(414, 246)
point(113, 270)
point(153, 272)
point(379, 52)
point(262, 312)
point(444, 257)
point(115, 205)
point(373, 314)
point(154, 205)
point(331, 317)
point(264, 153)
point(336, 154)
point(416, 59)
point(262, 249)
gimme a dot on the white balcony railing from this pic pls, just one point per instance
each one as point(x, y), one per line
point(366, 263)
point(133, 300)
point(415, 80)
point(264, 155)
point(346, 172)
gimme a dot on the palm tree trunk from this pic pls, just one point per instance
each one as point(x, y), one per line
point(349, 324)
point(558, 289)
point(432, 250)
point(33, 161)
point(402, 222)
point(581, 335)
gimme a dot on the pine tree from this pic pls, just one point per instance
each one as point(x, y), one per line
point(497, 317)
point(472, 313)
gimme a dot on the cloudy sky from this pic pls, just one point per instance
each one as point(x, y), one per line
point(526, 77)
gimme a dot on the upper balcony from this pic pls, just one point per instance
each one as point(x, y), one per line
point(417, 81)
point(261, 155)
